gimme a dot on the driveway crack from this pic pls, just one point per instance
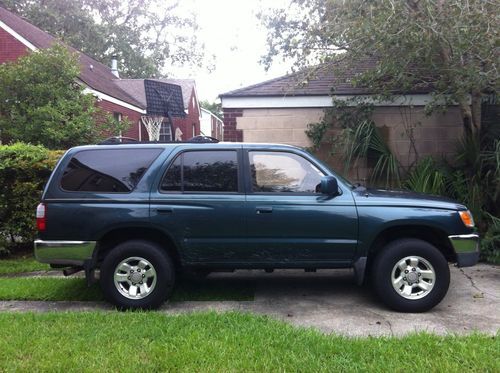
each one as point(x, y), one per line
point(473, 284)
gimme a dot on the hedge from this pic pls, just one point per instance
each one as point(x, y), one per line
point(24, 170)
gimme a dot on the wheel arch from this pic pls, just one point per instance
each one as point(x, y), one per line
point(435, 236)
point(118, 235)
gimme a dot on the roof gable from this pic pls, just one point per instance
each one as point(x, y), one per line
point(93, 73)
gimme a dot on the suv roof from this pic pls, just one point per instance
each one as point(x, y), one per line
point(186, 144)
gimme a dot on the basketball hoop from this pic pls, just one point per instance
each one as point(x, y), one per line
point(153, 126)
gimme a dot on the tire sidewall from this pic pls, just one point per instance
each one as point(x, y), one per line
point(165, 274)
point(391, 255)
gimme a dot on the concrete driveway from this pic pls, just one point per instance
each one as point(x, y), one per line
point(329, 301)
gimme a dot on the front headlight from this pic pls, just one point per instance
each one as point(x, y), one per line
point(467, 218)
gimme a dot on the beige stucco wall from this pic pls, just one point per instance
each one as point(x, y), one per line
point(434, 135)
point(285, 126)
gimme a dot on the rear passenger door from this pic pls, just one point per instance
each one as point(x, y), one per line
point(199, 201)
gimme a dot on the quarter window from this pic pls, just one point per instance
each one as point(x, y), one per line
point(107, 171)
point(283, 172)
point(202, 171)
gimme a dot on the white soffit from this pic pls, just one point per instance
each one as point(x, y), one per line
point(103, 96)
point(317, 101)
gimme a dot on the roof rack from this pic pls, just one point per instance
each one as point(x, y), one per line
point(118, 140)
point(121, 140)
point(203, 138)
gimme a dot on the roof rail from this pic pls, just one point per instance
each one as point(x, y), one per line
point(202, 138)
point(120, 140)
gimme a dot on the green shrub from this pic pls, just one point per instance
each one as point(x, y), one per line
point(24, 170)
point(426, 177)
point(490, 243)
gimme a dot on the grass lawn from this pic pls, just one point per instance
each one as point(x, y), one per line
point(113, 341)
point(75, 289)
point(9, 266)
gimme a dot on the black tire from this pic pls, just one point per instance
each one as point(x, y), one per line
point(394, 253)
point(159, 260)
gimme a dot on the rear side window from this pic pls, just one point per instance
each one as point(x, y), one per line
point(202, 171)
point(107, 170)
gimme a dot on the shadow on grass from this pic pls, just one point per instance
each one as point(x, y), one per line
point(76, 289)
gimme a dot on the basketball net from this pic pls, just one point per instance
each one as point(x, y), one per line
point(153, 126)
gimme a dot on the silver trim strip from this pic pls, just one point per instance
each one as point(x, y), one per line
point(465, 243)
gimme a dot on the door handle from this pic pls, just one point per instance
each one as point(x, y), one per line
point(164, 211)
point(263, 210)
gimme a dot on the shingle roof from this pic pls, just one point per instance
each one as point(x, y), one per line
point(93, 73)
point(317, 81)
point(135, 88)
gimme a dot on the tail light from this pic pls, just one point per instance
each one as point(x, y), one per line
point(41, 217)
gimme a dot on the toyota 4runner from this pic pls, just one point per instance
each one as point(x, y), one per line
point(142, 213)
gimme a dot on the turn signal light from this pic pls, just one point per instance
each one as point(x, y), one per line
point(41, 217)
point(467, 218)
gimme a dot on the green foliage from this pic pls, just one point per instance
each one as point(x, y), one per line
point(221, 342)
point(426, 177)
point(490, 242)
point(24, 170)
point(357, 139)
point(450, 46)
point(213, 107)
point(41, 103)
point(147, 36)
point(316, 133)
point(473, 179)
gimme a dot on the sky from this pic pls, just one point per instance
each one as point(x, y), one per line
point(232, 33)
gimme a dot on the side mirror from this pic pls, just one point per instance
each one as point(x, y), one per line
point(329, 185)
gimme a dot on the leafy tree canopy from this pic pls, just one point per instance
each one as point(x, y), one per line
point(41, 103)
point(213, 107)
point(450, 45)
point(147, 36)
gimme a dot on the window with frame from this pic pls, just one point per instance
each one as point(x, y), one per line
point(202, 171)
point(107, 170)
point(282, 172)
point(165, 132)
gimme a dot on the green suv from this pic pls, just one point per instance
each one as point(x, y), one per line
point(143, 213)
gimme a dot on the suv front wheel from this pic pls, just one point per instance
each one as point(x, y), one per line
point(137, 274)
point(410, 275)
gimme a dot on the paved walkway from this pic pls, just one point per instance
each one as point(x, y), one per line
point(329, 301)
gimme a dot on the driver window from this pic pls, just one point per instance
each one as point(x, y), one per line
point(277, 172)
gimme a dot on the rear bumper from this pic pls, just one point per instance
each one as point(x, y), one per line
point(466, 248)
point(71, 253)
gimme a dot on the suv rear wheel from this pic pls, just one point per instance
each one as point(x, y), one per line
point(137, 274)
point(410, 275)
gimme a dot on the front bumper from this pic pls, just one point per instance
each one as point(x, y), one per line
point(71, 253)
point(466, 248)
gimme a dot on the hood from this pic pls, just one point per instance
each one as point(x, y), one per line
point(382, 197)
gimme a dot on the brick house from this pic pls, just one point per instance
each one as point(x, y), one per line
point(122, 98)
point(280, 109)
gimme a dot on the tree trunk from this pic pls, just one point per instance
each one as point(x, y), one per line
point(476, 101)
point(471, 114)
point(465, 110)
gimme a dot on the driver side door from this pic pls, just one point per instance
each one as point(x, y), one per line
point(288, 219)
